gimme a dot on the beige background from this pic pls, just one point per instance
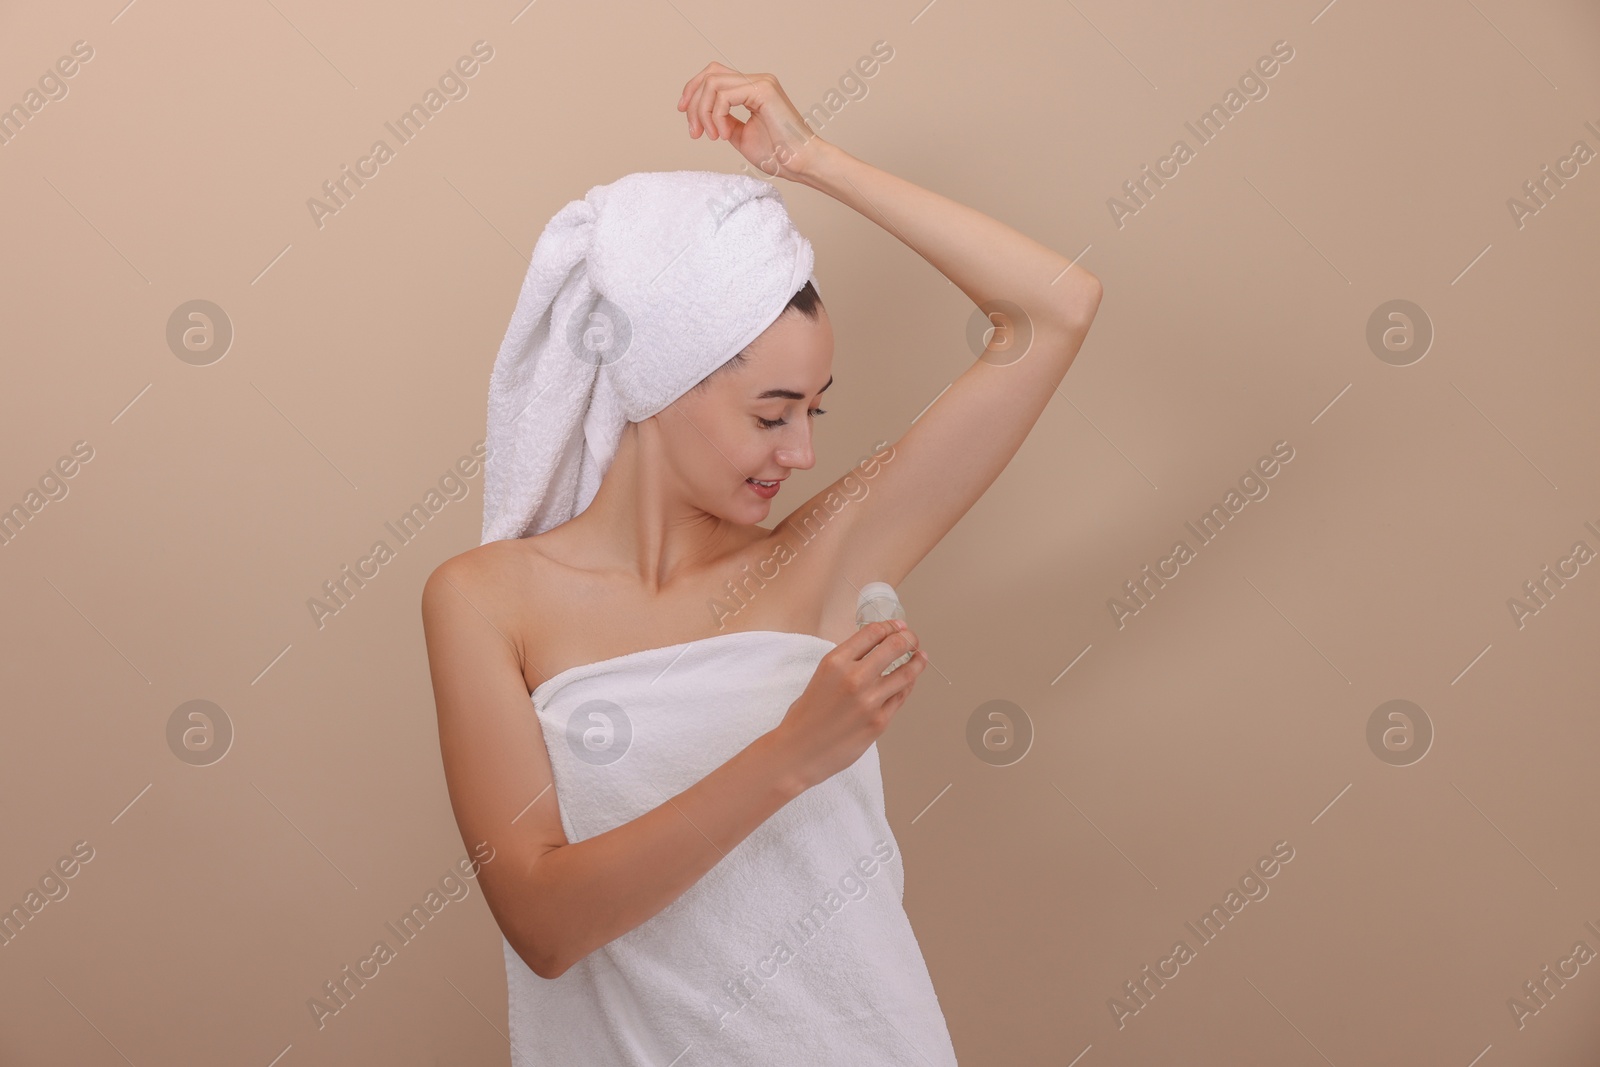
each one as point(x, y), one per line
point(1228, 715)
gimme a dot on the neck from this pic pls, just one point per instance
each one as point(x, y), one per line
point(640, 521)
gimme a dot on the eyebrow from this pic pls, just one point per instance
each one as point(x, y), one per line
point(790, 394)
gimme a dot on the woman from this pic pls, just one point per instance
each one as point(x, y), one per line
point(720, 884)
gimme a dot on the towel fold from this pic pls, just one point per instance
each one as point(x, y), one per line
point(794, 949)
point(632, 296)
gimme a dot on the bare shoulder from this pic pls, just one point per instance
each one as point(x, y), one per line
point(494, 564)
point(493, 583)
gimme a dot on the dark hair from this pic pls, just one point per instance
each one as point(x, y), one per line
point(806, 301)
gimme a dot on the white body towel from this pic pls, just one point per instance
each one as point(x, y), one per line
point(794, 949)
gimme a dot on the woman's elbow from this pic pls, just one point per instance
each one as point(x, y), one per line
point(1086, 299)
point(1076, 299)
point(542, 963)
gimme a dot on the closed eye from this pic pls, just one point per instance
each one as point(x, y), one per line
point(772, 424)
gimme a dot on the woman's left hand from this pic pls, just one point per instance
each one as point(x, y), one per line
point(774, 138)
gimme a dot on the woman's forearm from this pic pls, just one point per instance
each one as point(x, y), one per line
point(589, 893)
point(984, 257)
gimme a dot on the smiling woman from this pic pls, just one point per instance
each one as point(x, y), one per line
point(626, 479)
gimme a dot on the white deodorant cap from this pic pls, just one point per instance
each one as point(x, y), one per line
point(878, 602)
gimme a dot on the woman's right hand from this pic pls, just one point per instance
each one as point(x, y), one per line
point(849, 701)
point(775, 138)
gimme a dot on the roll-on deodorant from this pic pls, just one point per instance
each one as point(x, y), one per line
point(878, 603)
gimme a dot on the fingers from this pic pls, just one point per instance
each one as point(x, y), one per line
point(861, 643)
point(691, 101)
point(901, 680)
point(722, 121)
point(686, 102)
point(904, 677)
point(890, 649)
point(695, 112)
point(876, 645)
point(717, 91)
point(693, 83)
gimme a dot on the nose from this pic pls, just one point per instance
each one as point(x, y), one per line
point(796, 452)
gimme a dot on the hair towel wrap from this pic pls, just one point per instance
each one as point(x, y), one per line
point(633, 295)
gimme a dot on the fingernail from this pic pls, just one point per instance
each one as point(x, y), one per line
point(899, 624)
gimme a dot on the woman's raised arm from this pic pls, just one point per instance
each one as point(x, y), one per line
point(959, 446)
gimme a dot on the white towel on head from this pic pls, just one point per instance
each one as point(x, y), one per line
point(633, 295)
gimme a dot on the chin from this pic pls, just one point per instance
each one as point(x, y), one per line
point(755, 509)
point(741, 512)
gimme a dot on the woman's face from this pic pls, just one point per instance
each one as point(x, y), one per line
point(752, 420)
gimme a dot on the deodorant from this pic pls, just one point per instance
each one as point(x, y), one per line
point(878, 603)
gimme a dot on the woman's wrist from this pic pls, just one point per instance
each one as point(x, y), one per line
point(778, 767)
point(816, 164)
